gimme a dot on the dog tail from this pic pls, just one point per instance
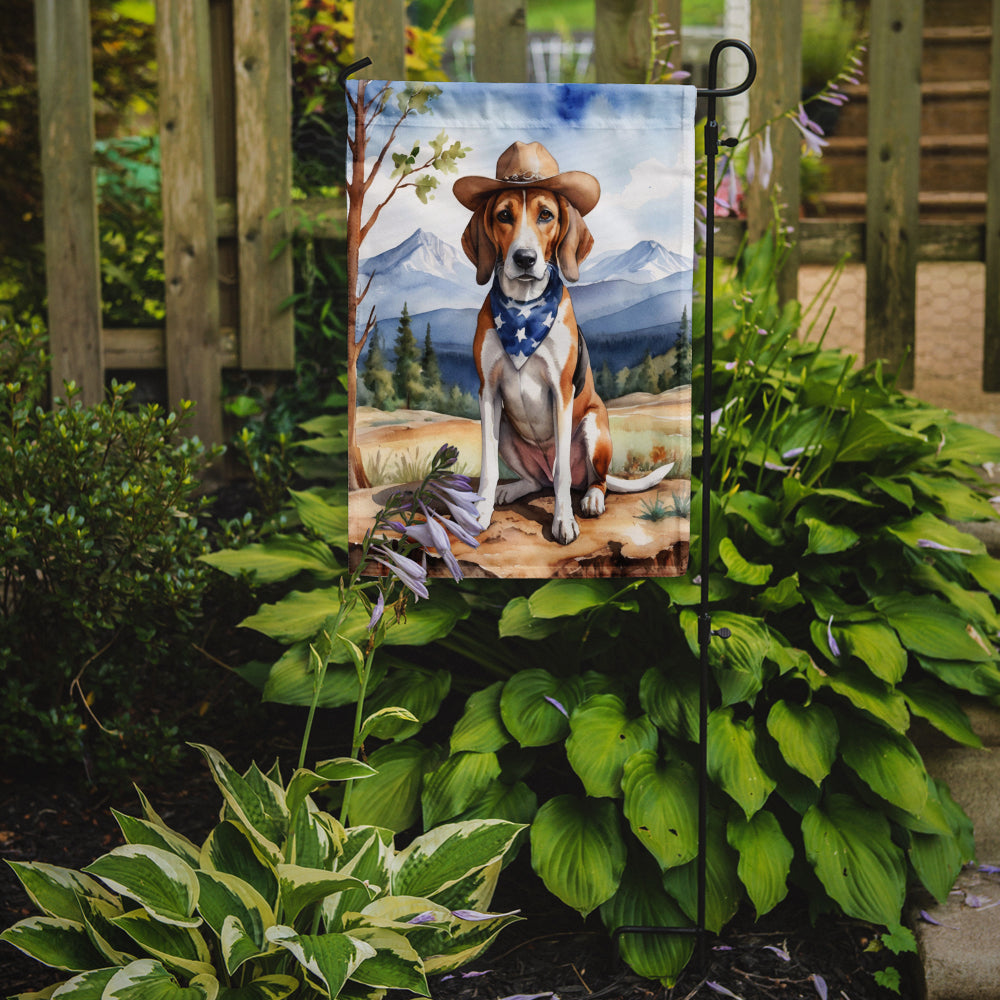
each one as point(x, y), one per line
point(617, 485)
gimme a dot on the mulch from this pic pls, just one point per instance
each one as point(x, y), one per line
point(551, 952)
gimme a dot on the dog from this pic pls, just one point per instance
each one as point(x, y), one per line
point(538, 407)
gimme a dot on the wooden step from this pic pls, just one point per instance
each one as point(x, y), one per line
point(945, 12)
point(958, 206)
point(956, 53)
point(945, 104)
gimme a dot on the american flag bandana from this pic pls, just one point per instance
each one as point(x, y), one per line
point(522, 326)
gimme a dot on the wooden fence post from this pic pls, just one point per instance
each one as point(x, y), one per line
point(72, 255)
point(190, 251)
point(380, 34)
point(505, 62)
point(262, 60)
point(893, 183)
point(776, 35)
point(991, 333)
point(622, 40)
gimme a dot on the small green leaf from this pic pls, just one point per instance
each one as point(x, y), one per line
point(739, 569)
point(765, 858)
point(481, 727)
point(888, 763)
point(561, 598)
point(807, 736)
point(535, 706)
point(279, 558)
point(391, 798)
point(456, 784)
point(732, 760)
point(930, 627)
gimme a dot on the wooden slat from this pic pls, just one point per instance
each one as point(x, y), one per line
point(72, 257)
point(380, 34)
point(991, 332)
point(262, 61)
point(501, 37)
point(144, 348)
point(621, 40)
point(893, 184)
point(190, 254)
point(776, 36)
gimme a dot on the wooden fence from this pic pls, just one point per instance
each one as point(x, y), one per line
point(226, 161)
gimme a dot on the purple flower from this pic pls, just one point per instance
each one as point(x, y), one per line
point(411, 574)
point(811, 132)
point(475, 915)
point(719, 988)
point(927, 543)
point(461, 505)
point(780, 952)
point(761, 163)
point(430, 534)
point(377, 612)
point(427, 917)
point(820, 983)
point(834, 648)
point(558, 705)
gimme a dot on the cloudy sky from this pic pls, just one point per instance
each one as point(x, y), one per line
point(638, 141)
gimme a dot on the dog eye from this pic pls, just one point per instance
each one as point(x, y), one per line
point(505, 215)
point(545, 215)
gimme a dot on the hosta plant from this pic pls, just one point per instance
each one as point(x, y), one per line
point(279, 900)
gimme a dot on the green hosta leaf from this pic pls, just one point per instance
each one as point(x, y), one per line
point(481, 728)
point(765, 858)
point(440, 858)
point(739, 569)
point(330, 959)
point(807, 736)
point(386, 723)
point(671, 700)
point(578, 851)
point(395, 964)
point(661, 800)
point(180, 948)
point(866, 692)
point(54, 941)
point(760, 512)
point(931, 628)
point(927, 528)
point(783, 595)
point(732, 760)
point(560, 598)
point(230, 849)
point(418, 691)
point(937, 858)
point(391, 798)
point(941, 709)
point(986, 572)
point(456, 784)
point(828, 539)
point(517, 620)
point(850, 848)
point(304, 782)
point(738, 661)
point(957, 501)
point(976, 678)
point(535, 706)
point(56, 891)
point(141, 831)
point(641, 901)
point(260, 809)
point(301, 887)
point(292, 681)
point(159, 881)
point(870, 436)
point(602, 738)
point(516, 803)
point(723, 889)
point(965, 443)
point(147, 979)
point(274, 987)
point(279, 558)
point(876, 646)
point(888, 763)
point(327, 520)
point(224, 898)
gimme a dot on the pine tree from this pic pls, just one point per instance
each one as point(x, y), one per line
point(648, 380)
point(431, 371)
point(375, 376)
point(605, 383)
point(406, 379)
point(682, 353)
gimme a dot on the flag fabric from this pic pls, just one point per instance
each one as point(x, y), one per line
point(522, 259)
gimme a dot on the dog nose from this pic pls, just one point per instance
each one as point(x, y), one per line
point(525, 259)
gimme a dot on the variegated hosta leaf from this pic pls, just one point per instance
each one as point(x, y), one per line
point(395, 964)
point(304, 782)
point(56, 891)
point(230, 849)
point(116, 946)
point(367, 853)
point(225, 897)
point(765, 858)
point(86, 986)
point(661, 805)
point(732, 760)
point(481, 727)
point(315, 838)
point(328, 959)
point(177, 947)
point(54, 941)
point(602, 737)
point(147, 979)
point(300, 887)
point(441, 857)
point(141, 831)
point(256, 801)
point(642, 902)
point(476, 890)
point(158, 880)
point(807, 736)
point(850, 847)
point(535, 706)
point(578, 851)
point(456, 784)
point(275, 987)
point(468, 939)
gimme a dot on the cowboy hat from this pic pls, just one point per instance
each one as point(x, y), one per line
point(530, 165)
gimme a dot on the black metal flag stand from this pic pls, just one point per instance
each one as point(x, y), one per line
point(705, 631)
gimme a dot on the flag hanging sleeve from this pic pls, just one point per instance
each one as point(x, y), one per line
point(520, 261)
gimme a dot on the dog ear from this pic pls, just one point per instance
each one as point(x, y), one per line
point(477, 242)
point(575, 241)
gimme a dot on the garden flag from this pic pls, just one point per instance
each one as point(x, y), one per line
point(520, 262)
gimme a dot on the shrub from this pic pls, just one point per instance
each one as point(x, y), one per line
point(854, 605)
point(99, 540)
point(280, 899)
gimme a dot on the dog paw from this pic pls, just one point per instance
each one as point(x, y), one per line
point(592, 504)
point(565, 530)
point(485, 517)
